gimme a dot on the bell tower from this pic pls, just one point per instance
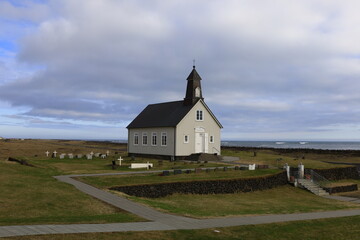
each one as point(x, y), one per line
point(193, 89)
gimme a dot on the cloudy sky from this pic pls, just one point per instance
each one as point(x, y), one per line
point(271, 70)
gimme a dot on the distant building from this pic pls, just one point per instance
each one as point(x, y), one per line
point(176, 129)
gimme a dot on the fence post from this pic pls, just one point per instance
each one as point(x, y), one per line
point(301, 170)
point(287, 167)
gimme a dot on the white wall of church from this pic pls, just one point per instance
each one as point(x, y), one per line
point(188, 126)
point(149, 147)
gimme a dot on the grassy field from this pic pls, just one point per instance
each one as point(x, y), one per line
point(313, 159)
point(272, 158)
point(36, 148)
point(346, 228)
point(30, 195)
point(120, 180)
point(280, 200)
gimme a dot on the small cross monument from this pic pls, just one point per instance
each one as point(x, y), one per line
point(54, 154)
point(120, 159)
point(47, 153)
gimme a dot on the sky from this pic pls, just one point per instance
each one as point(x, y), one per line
point(271, 70)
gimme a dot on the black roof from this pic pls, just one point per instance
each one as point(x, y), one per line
point(167, 114)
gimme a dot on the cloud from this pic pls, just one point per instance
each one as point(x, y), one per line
point(264, 70)
point(24, 11)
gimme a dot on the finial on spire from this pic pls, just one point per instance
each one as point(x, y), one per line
point(193, 63)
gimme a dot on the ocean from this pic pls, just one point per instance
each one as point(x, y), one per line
point(326, 145)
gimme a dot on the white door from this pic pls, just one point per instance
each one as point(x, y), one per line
point(198, 143)
point(201, 143)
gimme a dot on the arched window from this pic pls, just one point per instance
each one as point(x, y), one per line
point(197, 92)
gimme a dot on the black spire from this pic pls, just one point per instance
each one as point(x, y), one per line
point(193, 89)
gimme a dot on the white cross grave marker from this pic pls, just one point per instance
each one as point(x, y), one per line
point(55, 152)
point(107, 152)
point(47, 153)
point(120, 159)
point(92, 153)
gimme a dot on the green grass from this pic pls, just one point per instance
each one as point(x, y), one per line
point(322, 229)
point(30, 195)
point(281, 200)
point(120, 180)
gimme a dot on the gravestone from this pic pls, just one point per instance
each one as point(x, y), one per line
point(89, 156)
point(79, 155)
point(166, 173)
point(71, 156)
point(97, 154)
point(225, 169)
point(47, 153)
point(54, 154)
point(252, 166)
point(107, 153)
point(103, 156)
point(177, 171)
point(62, 156)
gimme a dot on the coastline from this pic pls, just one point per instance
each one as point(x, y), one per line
point(346, 152)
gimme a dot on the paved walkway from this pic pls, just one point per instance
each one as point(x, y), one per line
point(345, 199)
point(158, 220)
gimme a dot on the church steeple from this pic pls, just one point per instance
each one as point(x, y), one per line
point(193, 89)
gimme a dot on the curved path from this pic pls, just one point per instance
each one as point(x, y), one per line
point(158, 220)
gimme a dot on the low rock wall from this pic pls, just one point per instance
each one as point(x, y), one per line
point(205, 186)
point(333, 174)
point(338, 189)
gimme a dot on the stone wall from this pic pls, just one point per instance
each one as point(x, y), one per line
point(338, 189)
point(333, 174)
point(205, 186)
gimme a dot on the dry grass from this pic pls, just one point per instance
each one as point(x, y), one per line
point(272, 158)
point(31, 147)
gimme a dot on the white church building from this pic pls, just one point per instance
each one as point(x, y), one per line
point(175, 130)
